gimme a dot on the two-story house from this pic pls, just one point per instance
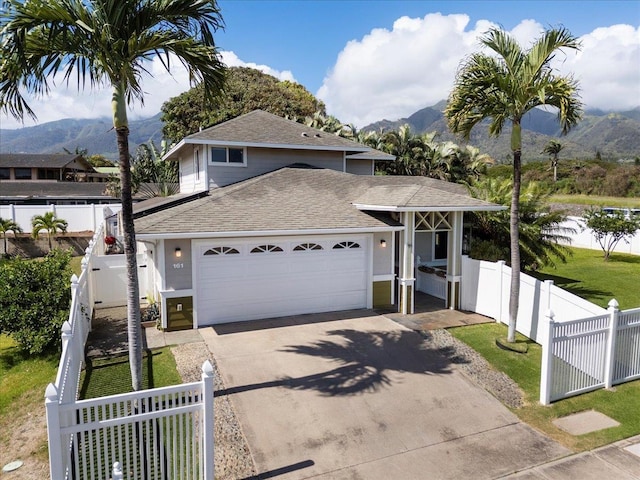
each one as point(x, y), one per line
point(275, 218)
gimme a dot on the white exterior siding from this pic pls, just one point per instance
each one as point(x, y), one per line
point(263, 160)
point(192, 174)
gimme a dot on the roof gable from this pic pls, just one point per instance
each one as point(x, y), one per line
point(41, 160)
point(262, 129)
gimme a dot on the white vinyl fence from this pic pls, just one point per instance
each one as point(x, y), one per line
point(590, 353)
point(151, 434)
point(485, 289)
point(585, 347)
point(81, 218)
point(584, 237)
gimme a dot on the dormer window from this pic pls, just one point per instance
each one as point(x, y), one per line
point(227, 156)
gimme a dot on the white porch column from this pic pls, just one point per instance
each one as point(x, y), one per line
point(454, 261)
point(407, 277)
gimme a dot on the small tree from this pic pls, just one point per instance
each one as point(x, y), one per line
point(34, 300)
point(7, 225)
point(49, 222)
point(611, 227)
point(553, 149)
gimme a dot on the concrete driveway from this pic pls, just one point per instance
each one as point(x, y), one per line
point(355, 395)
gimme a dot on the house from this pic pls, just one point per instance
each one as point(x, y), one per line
point(275, 218)
point(50, 179)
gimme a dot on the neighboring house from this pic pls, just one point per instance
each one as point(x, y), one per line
point(50, 179)
point(276, 218)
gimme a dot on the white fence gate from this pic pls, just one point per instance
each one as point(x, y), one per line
point(153, 434)
point(590, 353)
point(109, 279)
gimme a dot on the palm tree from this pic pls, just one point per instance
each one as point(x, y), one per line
point(107, 42)
point(503, 87)
point(49, 222)
point(552, 149)
point(7, 225)
point(543, 234)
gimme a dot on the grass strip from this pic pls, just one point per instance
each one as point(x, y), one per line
point(622, 403)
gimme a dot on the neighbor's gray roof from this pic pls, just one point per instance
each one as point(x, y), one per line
point(262, 129)
point(293, 199)
point(31, 189)
point(40, 160)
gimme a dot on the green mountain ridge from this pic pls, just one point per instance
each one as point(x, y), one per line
point(615, 135)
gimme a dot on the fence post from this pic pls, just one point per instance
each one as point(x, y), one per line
point(56, 466)
point(117, 472)
point(611, 343)
point(547, 285)
point(546, 370)
point(208, 434)
point(499, 268)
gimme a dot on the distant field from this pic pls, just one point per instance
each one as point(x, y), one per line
point(628, 202)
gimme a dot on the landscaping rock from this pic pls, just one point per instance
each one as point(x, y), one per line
point(476, 367)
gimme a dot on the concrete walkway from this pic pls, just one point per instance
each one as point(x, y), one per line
point(360, 396)
point(620, 461)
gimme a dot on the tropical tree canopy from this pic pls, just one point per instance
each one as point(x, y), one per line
point(609, 227)
point(108, 43)
point(48, 222)
point(7, 225)
point(502, 86)
point(245, 90)
point(543, 234)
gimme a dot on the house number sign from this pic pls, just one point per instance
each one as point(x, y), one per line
point(178, 265)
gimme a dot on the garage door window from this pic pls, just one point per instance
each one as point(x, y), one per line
point(343, 245)
point(266, 248)
point(222, 251)
point(303, 247)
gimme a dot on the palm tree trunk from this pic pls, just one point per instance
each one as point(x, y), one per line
point(134, 329)
point(514, 295)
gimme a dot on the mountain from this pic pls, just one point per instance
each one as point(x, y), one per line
point(96, 135)
point(614, 135)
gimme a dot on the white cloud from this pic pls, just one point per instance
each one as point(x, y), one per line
point(608, 67)
point(393, 73)
point(159, 86)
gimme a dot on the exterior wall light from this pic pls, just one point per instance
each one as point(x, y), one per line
point(178, 252)
point(383, 243)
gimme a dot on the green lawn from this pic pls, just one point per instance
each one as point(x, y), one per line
point(628, 202)
point(621, 403)
point(112, 376)
point(587, 275)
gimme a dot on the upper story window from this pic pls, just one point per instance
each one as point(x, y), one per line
point(4, 174)
point(22, 173)
point(227, 156)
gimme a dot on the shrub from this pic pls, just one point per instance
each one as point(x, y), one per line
point(34, 300)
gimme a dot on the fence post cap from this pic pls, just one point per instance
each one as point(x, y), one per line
point(51, 393)
point(74, 280)
point(550, 314)
point(207, 368)
point(613, 303)
point(66, 328)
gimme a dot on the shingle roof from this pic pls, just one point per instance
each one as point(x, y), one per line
point(263, 129)
point(30, 189)
point(292, 199)
point(37, 160)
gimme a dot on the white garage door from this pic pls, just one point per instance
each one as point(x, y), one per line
point(264, 278)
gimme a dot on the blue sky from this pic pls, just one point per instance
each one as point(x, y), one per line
point(306, 37)
point(369, 60)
